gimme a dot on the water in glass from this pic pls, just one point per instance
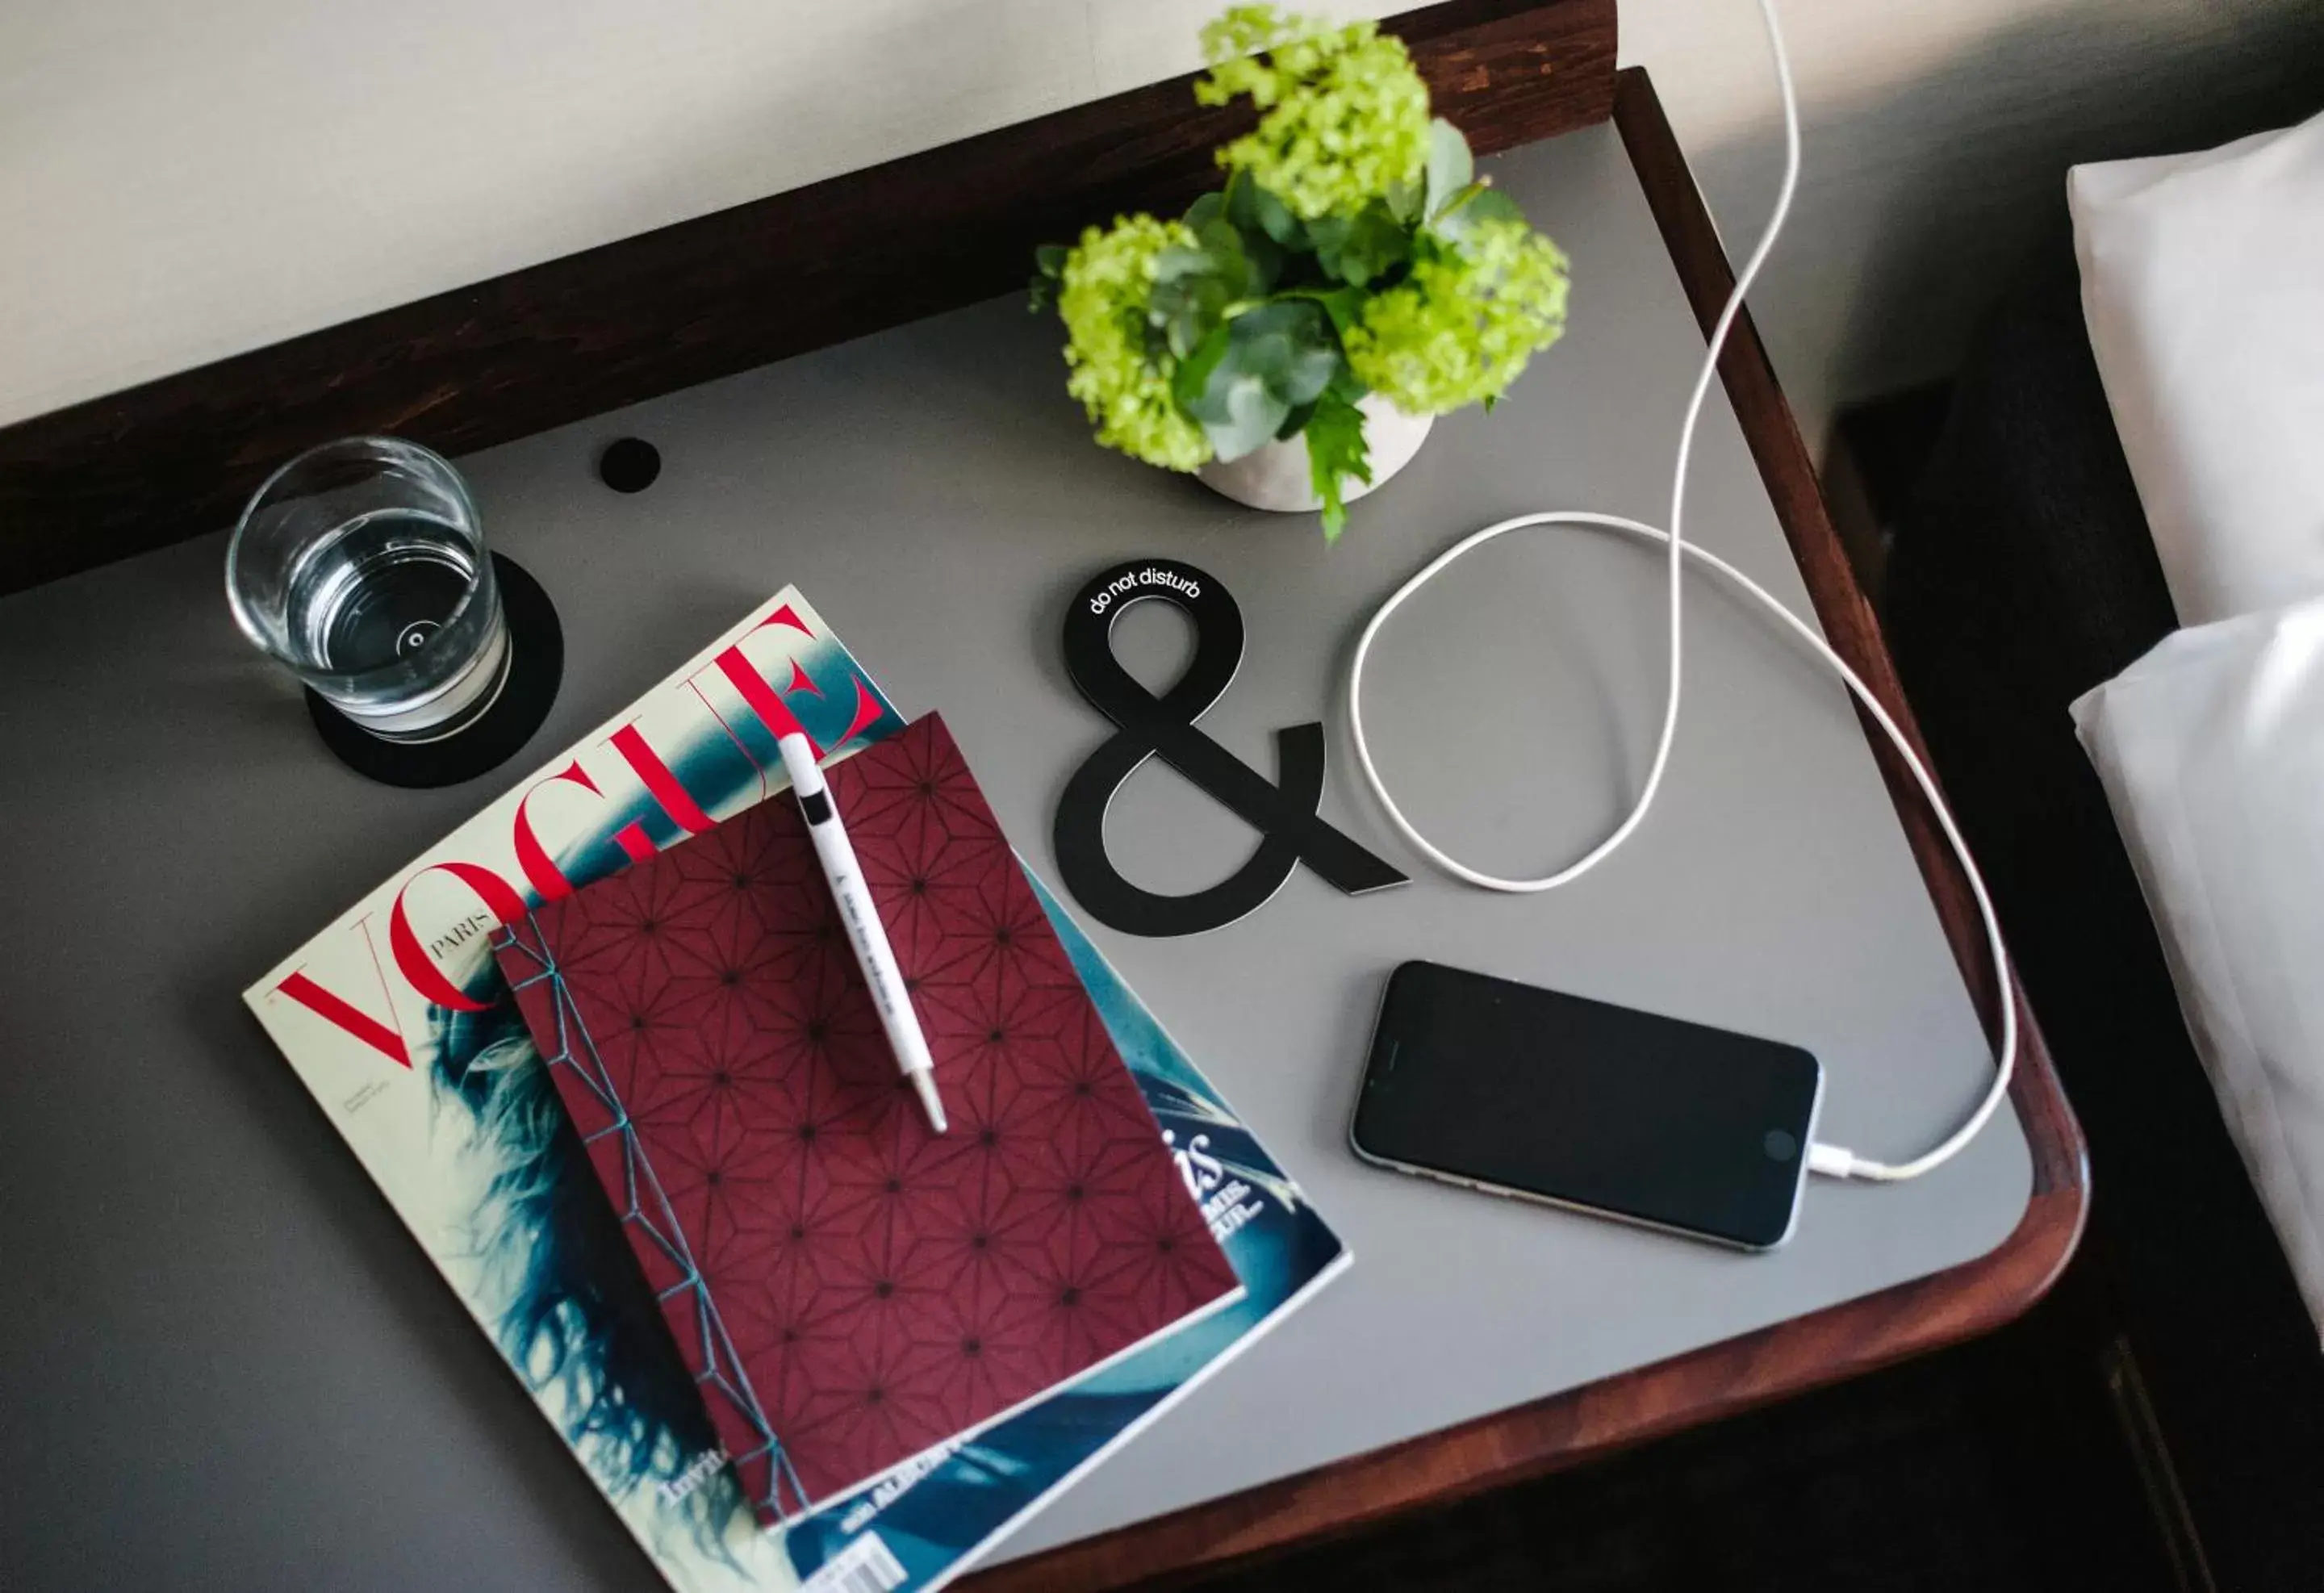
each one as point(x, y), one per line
point(361, 565)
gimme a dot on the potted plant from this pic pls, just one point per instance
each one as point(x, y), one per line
point(1291, 338)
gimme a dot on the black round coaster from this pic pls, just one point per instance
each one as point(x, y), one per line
point(536, 668)
point(629, 465)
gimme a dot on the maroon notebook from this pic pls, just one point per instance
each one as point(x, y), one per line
point(849, 1287)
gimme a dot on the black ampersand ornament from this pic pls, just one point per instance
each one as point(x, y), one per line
point(1284, 812)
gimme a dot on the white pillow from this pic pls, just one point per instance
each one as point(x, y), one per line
point(2211, 750)
point(2203, 287)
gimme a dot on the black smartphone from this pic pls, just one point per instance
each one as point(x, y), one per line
point(1517, 1091)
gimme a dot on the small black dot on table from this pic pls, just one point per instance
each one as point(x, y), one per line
point(629, 465)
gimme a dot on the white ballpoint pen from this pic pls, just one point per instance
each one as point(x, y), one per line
point(873, 954)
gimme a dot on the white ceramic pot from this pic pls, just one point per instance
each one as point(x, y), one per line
point(1277, 476)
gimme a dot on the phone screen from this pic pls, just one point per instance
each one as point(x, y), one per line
point(1487, 1081)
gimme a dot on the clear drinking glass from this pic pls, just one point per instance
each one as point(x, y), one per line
point(361, 565)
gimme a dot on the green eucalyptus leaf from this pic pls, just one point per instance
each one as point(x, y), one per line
point(1246, 416)
point(1192, 379)
point(1289, 344)
point(1356, 249)
point(1209, 207)
point(1196, 286)
point(1492, 205)
point(1244, 380)
point(1230, 253)
point(1406, 201)
point(1344, 307)
point(1175, 261)
point(1048, 269)
point(1253, 209)
point(1266, 257)
point(1476, 203)
point(1187, 310)
point(1451, 167)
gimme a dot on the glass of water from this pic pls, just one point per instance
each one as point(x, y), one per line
point(361, 565)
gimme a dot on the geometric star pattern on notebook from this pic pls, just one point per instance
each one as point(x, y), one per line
point(849, 1287)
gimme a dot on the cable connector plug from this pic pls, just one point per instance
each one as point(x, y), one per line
point(1831, 1161)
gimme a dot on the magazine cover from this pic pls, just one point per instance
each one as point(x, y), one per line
point(398, 1020)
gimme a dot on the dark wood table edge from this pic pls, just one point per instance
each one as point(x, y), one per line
point(1828, 1346)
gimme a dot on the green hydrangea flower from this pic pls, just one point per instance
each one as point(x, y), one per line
point(1121, 374)
point(1460, 329)
point(1346, 115)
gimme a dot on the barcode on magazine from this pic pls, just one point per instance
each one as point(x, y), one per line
point(865, 1566)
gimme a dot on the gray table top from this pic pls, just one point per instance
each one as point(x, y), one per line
point(226, 1364)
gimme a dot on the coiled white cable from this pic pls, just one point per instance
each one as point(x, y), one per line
point(1831, 1160)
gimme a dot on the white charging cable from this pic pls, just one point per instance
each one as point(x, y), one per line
point(1831, 1160)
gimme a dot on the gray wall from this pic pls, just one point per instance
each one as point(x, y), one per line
point(183, 182)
